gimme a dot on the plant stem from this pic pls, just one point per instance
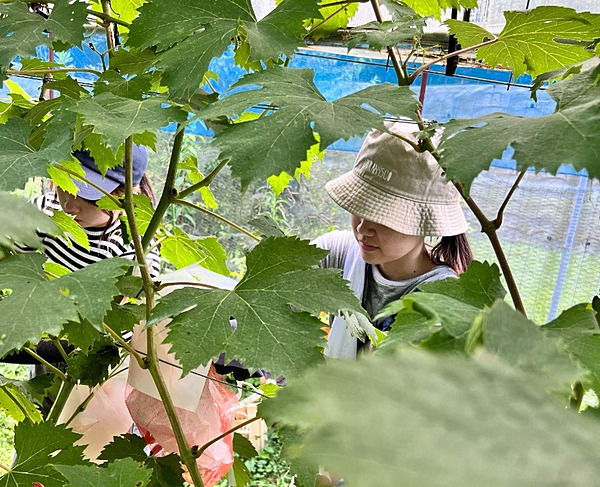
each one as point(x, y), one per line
point(57, 70)
point(168, 193)
point(217, 216)
point(17, 403)
point(205, 181)
point(152, 360)
point(395, 61)
point(109, 28)
point(47, 364)
point(61, 399)
point(319, 24)
point(108, 18)
point(500, 215)
point(203, 448)
point(118, 338)
point(60, 348)
point(4, 467)
point(423, 67)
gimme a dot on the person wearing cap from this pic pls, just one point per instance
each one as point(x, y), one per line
point(102, 227)
point(396, 196)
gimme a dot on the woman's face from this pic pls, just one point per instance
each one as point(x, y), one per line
point(398, 256)
point(85, 212)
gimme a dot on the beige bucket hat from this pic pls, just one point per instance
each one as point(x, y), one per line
point(394, 185)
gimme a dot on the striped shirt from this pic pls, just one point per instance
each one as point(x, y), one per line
point(105, 242)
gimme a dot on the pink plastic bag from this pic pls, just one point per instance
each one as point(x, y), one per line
point(206, 409)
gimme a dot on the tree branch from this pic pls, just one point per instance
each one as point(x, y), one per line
point(500, 215)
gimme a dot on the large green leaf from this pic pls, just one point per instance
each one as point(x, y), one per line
point(38, 306)
point(422, 419)
point(522, 344)
point(20, 32)
point(206, 29)
point(15, 403)
point(19, 160)
point(534, 41)
point(67, 22)
point(39, 448)
point(279, 142)
point(270, 334)
point(116, 118)
point(20, 223)
point(120, 473)
point(578, 329)
point(567, 136)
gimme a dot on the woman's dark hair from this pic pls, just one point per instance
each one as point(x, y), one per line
point(453, 251)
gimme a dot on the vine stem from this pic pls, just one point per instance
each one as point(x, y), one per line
point(217, 216)
point(203, 448)
point(61, 399)
point(184, 283)
point(108, 18)
point(4, 467)
point(47, 364)
point(425, 66)
point(109, 28)
point(118, 338)
point(17, 403)
point(60, 348)
point(319, 24)
point(391, 53)
point(168, 192)
point(57, 70)
point(205, 181)
point(152, 360)
point(500, 215)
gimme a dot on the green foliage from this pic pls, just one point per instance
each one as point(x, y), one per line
point(567, 136)
point(281, 274)
point(120, 473)
point(478, 416)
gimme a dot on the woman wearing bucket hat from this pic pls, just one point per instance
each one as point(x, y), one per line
point(102, 227)
point(396, 196)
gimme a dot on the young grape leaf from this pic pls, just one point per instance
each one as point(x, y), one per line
point(38, 306)
point(67, 22)
point(567, 136)
point(120, 473)
point(166, 471)
point(578, 329)
point(533, 41)
point(21, 221)
point(522, 344)
point(81, 334)
point(390, 33)
point(207, 30)
point(281, 274)
point(331, 20)
point(40, 447)
point(15, 404)
point(116, 118)
point(181, 250)
point(21, 32)
point(70, 227)
point(19, 160)
point(418, 413)
point(264, 147)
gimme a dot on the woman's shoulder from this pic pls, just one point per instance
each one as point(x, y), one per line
point(338, 243)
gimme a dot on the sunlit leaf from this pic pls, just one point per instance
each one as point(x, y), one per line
point(71, 228)
point(120, 473)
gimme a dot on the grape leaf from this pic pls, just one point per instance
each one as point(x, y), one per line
point(332, 19)
point(390, 33)
point(40, 447)
point(92, 367)
point(207, 30)
point(68, 87)
point(264, 147)
point(116, 118)
point(567, 136)
point(21, 221)
point(531, 40)
point(130, 62)
point(19, 160)
point(15, 404)
point(426, 412)
point(166, 471)
point(578, 329)
point(81, 334)
point(522, 344)
point(127, 87)
point(269, 334)
point(38, 306)
point(69, 226)
point(181, 250)
point(67, 22)
point(120, 473)
point(428, 8)
point(20, 32)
